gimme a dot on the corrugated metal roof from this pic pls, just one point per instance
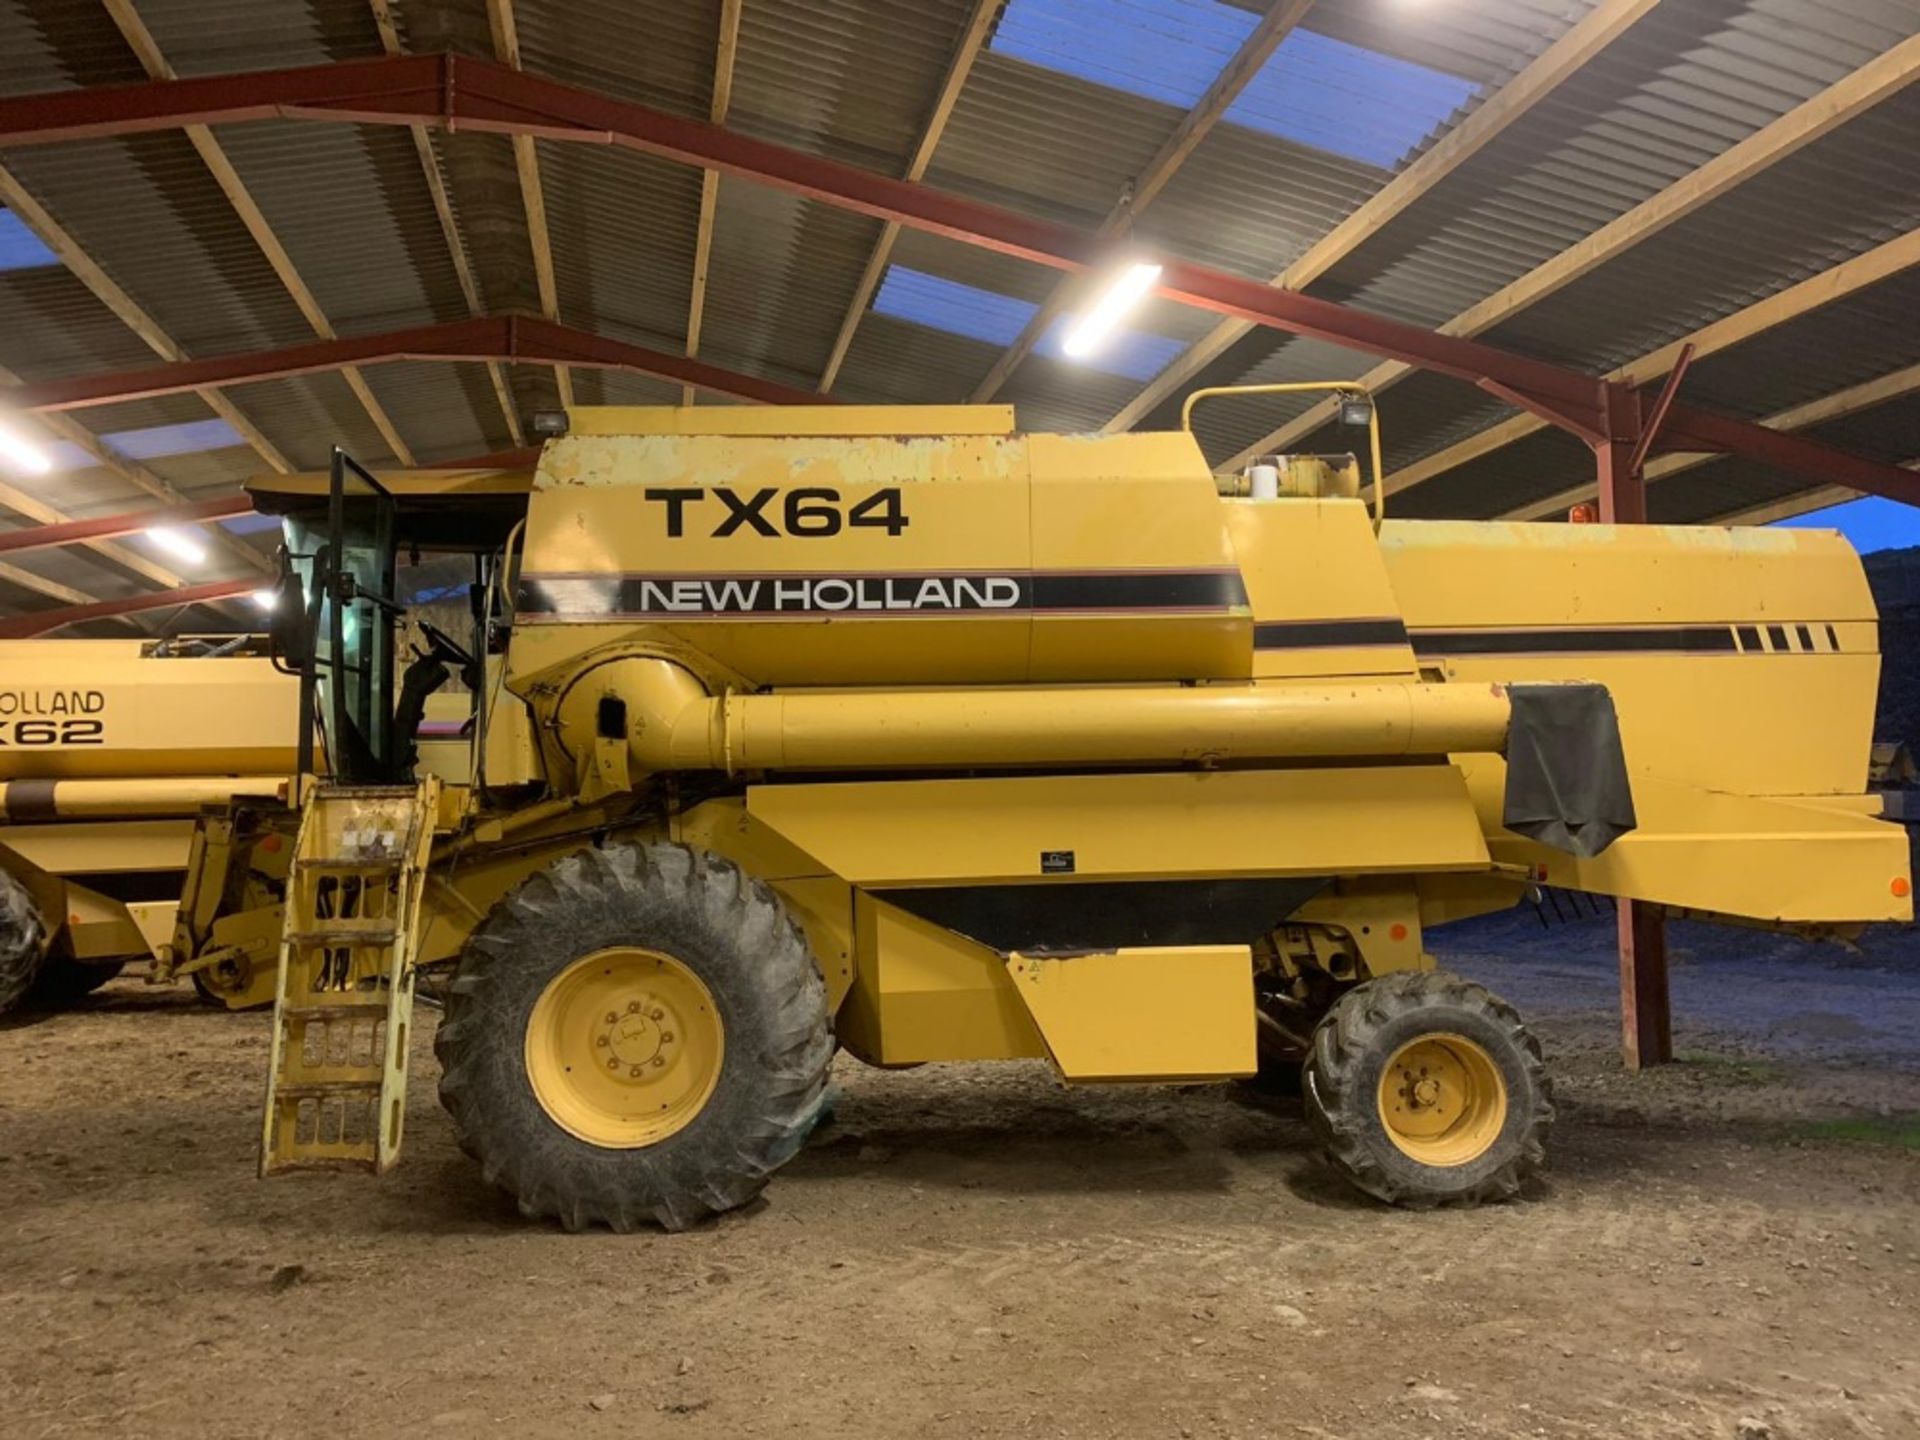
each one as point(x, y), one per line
point(660, 53)
point(1025, 137)
point(623, 228)
point(52, 325)
point(1678, 88)
point(308, 415)
point(442, 411)
point(55, 46)
point(894, 363)
point(619, 387)
point(217, 37)
point(351, 206)
point(1833, 199)
point(1863, 337)
point(856, 79)
point(781, 274)
point(149, 212)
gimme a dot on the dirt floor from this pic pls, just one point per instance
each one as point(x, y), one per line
point(1727, 1248)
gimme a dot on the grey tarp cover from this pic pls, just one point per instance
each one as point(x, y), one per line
point(1566, 773)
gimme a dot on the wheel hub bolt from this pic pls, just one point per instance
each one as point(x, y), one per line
point(612, 1064)
point(634, 1073)
point(612, 1018)
point(633, 1007)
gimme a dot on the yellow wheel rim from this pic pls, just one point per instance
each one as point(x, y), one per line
point(1442, 1100)
point(624, 1047)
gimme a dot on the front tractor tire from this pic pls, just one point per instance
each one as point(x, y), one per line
point(635, 1033)
point(23, 943)
point(1426, 1089)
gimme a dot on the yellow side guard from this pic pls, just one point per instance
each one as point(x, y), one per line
point(337, 1084)
point(1176, 1013)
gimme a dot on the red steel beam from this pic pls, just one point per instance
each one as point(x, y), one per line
point(488, 337)
point(18, 627)
point(106, 527)
point(1691, 429)
point(458, 92)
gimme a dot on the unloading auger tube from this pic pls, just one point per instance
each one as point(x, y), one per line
point(1568, 739)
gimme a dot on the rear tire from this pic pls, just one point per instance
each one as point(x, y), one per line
point(1426, 1089)
point(23, 943)
point(692, 939)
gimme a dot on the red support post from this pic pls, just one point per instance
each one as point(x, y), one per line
point(1646, 1018)
point(1646, 1012)
point(1623, 494)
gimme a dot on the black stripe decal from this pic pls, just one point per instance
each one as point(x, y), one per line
point(1692, 638)
point(1327, 634)
point(870, 596)
point(1070, 917)
point(1142, 590)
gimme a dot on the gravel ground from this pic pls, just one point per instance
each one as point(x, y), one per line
point(1729, 1247)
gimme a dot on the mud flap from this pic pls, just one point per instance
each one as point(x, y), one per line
point(1567, 784)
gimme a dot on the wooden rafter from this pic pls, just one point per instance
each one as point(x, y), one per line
point(972, 41)
point(1799, 127)
point(1561, 60)
point(1850, 401)
point(727, 47)
point(140, 40)
point(1279, 22)
point(443, 211)
point(533, 195)
point(1831, 285)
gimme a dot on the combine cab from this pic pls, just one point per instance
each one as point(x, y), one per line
point(774, 731)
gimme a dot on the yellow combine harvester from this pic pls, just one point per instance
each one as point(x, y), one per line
point(109, 751)
point(896, 730)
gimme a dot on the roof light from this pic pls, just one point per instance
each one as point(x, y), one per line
point(19, 453)
point(1124, 292)
point(266, 599)
point(183, 545)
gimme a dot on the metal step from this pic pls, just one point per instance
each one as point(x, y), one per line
point(344, 934)
point(336, 1090)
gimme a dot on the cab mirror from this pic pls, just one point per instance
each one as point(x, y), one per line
point(287, 621)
